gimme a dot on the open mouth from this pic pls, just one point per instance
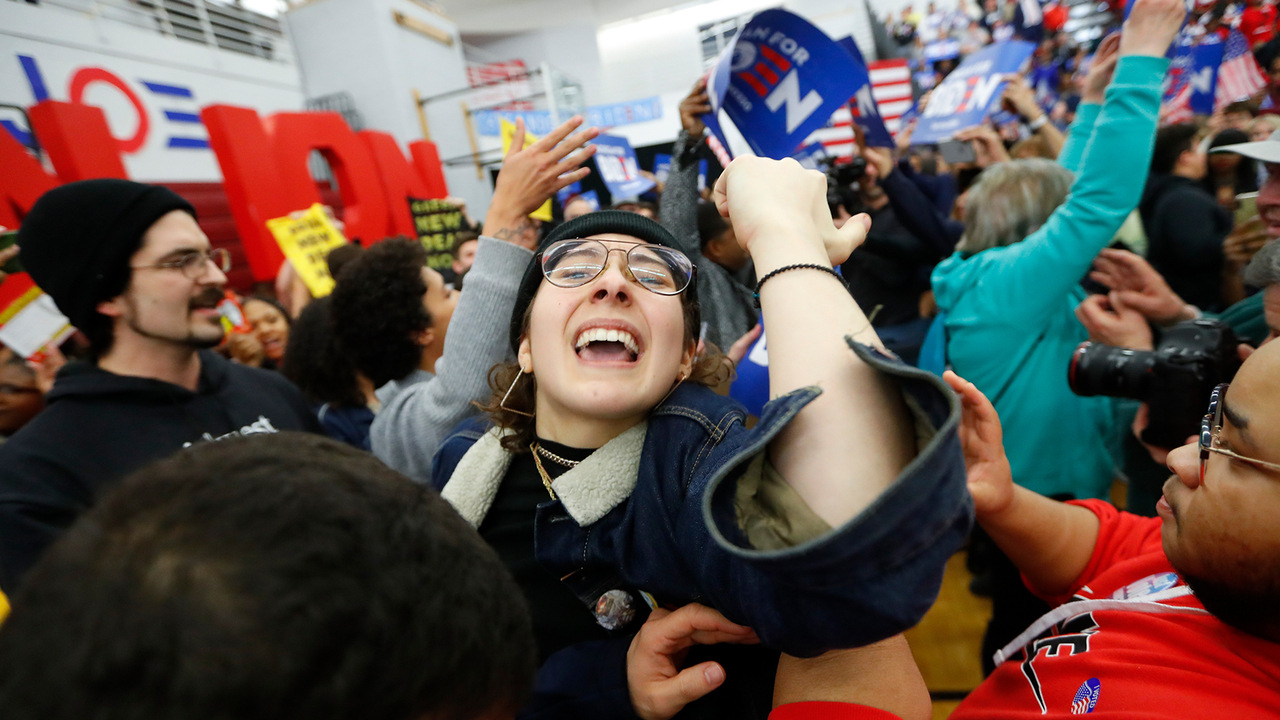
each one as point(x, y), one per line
point(606, 345)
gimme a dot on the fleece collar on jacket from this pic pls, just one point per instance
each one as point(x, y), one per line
point(588, 491)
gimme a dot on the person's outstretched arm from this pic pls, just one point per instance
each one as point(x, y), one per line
point(1049, 542)
point(678, 205)
point(411, 425)
point(937, 233)
point(1038, 272)
point(1091, 99)
point(780, 216)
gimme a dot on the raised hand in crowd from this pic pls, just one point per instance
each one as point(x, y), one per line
point(693, 107)
point(1094, 87)
point(742, 345)
point(1019, 98)
point(532, 174)
point(1244, 241)
point(1110, 322)
point(903, 140)
point(659, 687)
point(1136, 285)
point(246, 349)
point(988, 149)
point(46, 369)
point(1151, 27)
point(882, 158)
point(990, 478)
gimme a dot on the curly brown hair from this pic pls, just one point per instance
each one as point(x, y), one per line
point(711, 368)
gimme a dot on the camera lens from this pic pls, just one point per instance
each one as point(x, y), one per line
point(1111, 371)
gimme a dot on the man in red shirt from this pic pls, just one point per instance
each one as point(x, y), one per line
point(1176, 616)
point(1170, 617)
point(1258, 22)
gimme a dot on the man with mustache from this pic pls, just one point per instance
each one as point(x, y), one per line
point(129, 266)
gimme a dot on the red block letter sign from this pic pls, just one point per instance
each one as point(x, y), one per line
point(253, 184)
point(78, 140)
point(427, 159)
point(399, 181)
point(295, 135)
point(22, 181)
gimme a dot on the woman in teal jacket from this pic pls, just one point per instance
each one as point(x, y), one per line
point(1011, 290)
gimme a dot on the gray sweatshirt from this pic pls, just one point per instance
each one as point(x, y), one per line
point(728, 306)
point(419, 411)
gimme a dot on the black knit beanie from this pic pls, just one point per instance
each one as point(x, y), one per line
point(596, 223)
point(77, 240)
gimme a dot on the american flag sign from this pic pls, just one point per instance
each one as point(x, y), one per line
point(890, 88)
point(1239, 76)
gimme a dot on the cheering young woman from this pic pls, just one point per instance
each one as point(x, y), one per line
point(613, 478)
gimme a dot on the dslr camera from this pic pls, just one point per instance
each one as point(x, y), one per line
point(847, 174)
point(1175, 379)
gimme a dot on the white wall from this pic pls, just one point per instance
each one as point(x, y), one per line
point(62, 42)
point(660, 54)
point(571, 49)
point(355, 46)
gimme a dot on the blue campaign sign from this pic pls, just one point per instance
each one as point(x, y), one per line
point(863, 107)
point(619, 168)
point(662, 167)
point(751, 386)
point(942, 50)
point(780, 80)
point(564, 193)
point(1194, 64)
point(592, 199)
point(811, 156)
point(662, 170)
point(966, 96)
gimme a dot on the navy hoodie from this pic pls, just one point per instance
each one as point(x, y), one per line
point(99, 427)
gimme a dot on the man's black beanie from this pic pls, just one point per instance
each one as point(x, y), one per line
point(597, 223)
point(77, 240)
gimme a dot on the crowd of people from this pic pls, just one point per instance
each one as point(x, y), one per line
point(535, 498)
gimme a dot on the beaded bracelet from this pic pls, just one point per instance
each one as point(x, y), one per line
point(799, 266)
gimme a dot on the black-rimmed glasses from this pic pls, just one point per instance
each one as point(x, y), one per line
point(1211, 429)
point(193, 264)
point(576, 262)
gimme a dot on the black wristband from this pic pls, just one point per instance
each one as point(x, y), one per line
point(799, 266)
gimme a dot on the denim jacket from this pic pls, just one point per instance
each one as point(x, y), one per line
point(671, 530)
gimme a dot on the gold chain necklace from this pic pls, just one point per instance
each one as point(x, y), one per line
point(537, 448)
point(542, 472)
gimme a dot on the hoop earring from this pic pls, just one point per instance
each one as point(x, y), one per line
point(683, 377)
point(503, 404)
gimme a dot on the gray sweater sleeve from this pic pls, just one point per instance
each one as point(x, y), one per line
point(678, 205)
point(412, 424)
point(728, 307)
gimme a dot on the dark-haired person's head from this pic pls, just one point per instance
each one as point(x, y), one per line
point(640, 207)
point(719, 244)
point(270, 326)
point(1220, 532)
point(1237, 171)
point(391, 311)
point(465, 244)
point(127, 264)
point(1177, 152)
point(316, 364)
point(267, 577)
point(340, 256)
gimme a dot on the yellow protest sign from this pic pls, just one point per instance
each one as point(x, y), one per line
point(508, 132)
point(306, 239)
